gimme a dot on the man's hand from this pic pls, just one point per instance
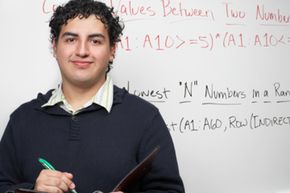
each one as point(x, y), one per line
point(54, 181)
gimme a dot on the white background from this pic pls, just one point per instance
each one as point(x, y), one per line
point(212, 51)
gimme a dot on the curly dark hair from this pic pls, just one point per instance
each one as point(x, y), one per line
point(84, 9)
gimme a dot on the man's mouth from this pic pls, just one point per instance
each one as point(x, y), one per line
point(81, 63)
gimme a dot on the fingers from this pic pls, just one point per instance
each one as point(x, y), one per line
point(70, 184)
point(54, 181)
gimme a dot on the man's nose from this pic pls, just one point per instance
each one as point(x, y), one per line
point(82, 49)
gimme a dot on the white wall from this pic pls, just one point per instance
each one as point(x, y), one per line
point(236, 144)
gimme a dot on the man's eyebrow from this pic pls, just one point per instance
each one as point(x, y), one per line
point(69, 34)
point(98, 35)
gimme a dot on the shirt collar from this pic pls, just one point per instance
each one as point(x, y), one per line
point(104, 97)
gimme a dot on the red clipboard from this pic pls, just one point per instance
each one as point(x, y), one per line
point(132, 177)
point(23, 190)
point(137, 172)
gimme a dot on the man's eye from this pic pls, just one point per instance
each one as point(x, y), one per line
point(96, 42)
point(70, 40)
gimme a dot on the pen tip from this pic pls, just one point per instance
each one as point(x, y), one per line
point(73, 191)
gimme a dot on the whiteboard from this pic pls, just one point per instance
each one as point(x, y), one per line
point(217, 70)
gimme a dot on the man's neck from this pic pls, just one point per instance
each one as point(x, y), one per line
point(77, 96)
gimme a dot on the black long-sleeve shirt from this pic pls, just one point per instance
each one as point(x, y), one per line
point(97, 147)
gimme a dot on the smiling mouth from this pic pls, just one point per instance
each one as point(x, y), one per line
point(81, 64)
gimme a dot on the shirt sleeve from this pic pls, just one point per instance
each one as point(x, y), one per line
point(164, 175)
point(10, 174)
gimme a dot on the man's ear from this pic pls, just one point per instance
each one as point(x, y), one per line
point(54, 48)
point(113, 51)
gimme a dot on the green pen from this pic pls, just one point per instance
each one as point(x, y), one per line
point(47, 165)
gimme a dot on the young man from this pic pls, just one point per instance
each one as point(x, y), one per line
point(91, 131)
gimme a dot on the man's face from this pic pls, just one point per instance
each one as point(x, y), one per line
point(83, 52)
